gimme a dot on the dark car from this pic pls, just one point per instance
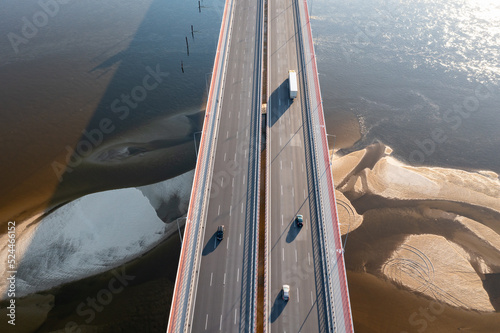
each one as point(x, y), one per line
point(299, 220)
point(220, 233)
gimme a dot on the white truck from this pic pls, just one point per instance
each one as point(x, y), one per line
point(292, 83)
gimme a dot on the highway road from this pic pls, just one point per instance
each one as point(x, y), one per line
point(226, 291)
point(292, 259)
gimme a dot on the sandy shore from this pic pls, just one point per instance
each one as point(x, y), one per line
point(428, 234)
point(94, 233)
point(139, 305)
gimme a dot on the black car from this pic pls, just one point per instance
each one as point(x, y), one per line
point(299, 220)
point(220, 233)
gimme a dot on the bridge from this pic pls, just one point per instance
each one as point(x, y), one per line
point(263, 159)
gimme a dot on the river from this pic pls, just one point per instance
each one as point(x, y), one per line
point(420, 76)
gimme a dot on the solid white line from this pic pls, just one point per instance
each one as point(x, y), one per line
point(206, 322)
point(297, 295)
point(211, 278)
point(283, 252)
point(218, 212)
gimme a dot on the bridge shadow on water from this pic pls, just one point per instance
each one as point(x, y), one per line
point(279, 95)
point(139, 130)
point(143, 128)
point(278, 307)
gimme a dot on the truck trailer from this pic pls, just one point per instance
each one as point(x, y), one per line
point(292, 83)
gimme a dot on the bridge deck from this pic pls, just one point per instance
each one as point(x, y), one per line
point(216, 282)
point(293, 257)
point(227, 276)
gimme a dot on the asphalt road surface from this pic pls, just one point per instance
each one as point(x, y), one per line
point(225, 291)
point(291, 256)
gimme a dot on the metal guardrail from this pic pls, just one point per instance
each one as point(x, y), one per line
point(339, 318)
point(189, 261)
point(254, 160)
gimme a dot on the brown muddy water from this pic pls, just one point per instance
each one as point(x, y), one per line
point(419, 76)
